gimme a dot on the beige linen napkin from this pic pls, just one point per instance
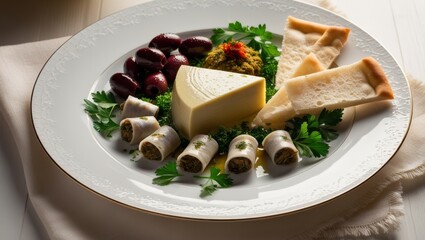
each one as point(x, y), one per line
point(69, 211)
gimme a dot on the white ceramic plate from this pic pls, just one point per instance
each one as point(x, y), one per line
point(370, 135)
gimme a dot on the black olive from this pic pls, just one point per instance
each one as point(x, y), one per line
point(166, 42)
point(151, 58)
point(197, 46)
point(123, 85)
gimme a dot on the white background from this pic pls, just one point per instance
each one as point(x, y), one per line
point(397, 24)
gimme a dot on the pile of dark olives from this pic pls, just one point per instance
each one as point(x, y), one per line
point(153, 69)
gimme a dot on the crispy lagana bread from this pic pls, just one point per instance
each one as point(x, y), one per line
point(310, 64)
point(279, 109)
point(307, 47)
point(303, 37)
point(346, 86)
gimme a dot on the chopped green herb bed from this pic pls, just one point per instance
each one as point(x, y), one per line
point(269, 73)
point(163, 101)
point(225, 135)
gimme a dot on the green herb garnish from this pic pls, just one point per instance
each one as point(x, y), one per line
point(224, 135)
point(215, 180)
point(310, 134)
point(324, 123)
point(134, 153)
point(257, 38)
point(327, 120)
point(310, 144)
point(163, 101)
point(101, 111)
point(241, 145)
point(268, 71)
point(166, 174)
point(196, 62)
point(198, 144)
point(158, 135)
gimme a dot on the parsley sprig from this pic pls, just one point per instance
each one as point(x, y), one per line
point(166, 174)
point(310, 144)
point(101, 111)
point(257, 38)
point(326, 121)
point(311, 134)
point(215, 180)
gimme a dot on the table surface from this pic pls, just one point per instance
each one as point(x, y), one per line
point(396, 24)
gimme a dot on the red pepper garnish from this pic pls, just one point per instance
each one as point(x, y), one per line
point(234, 49)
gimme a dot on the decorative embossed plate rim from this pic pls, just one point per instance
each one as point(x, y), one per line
point(83, 62)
